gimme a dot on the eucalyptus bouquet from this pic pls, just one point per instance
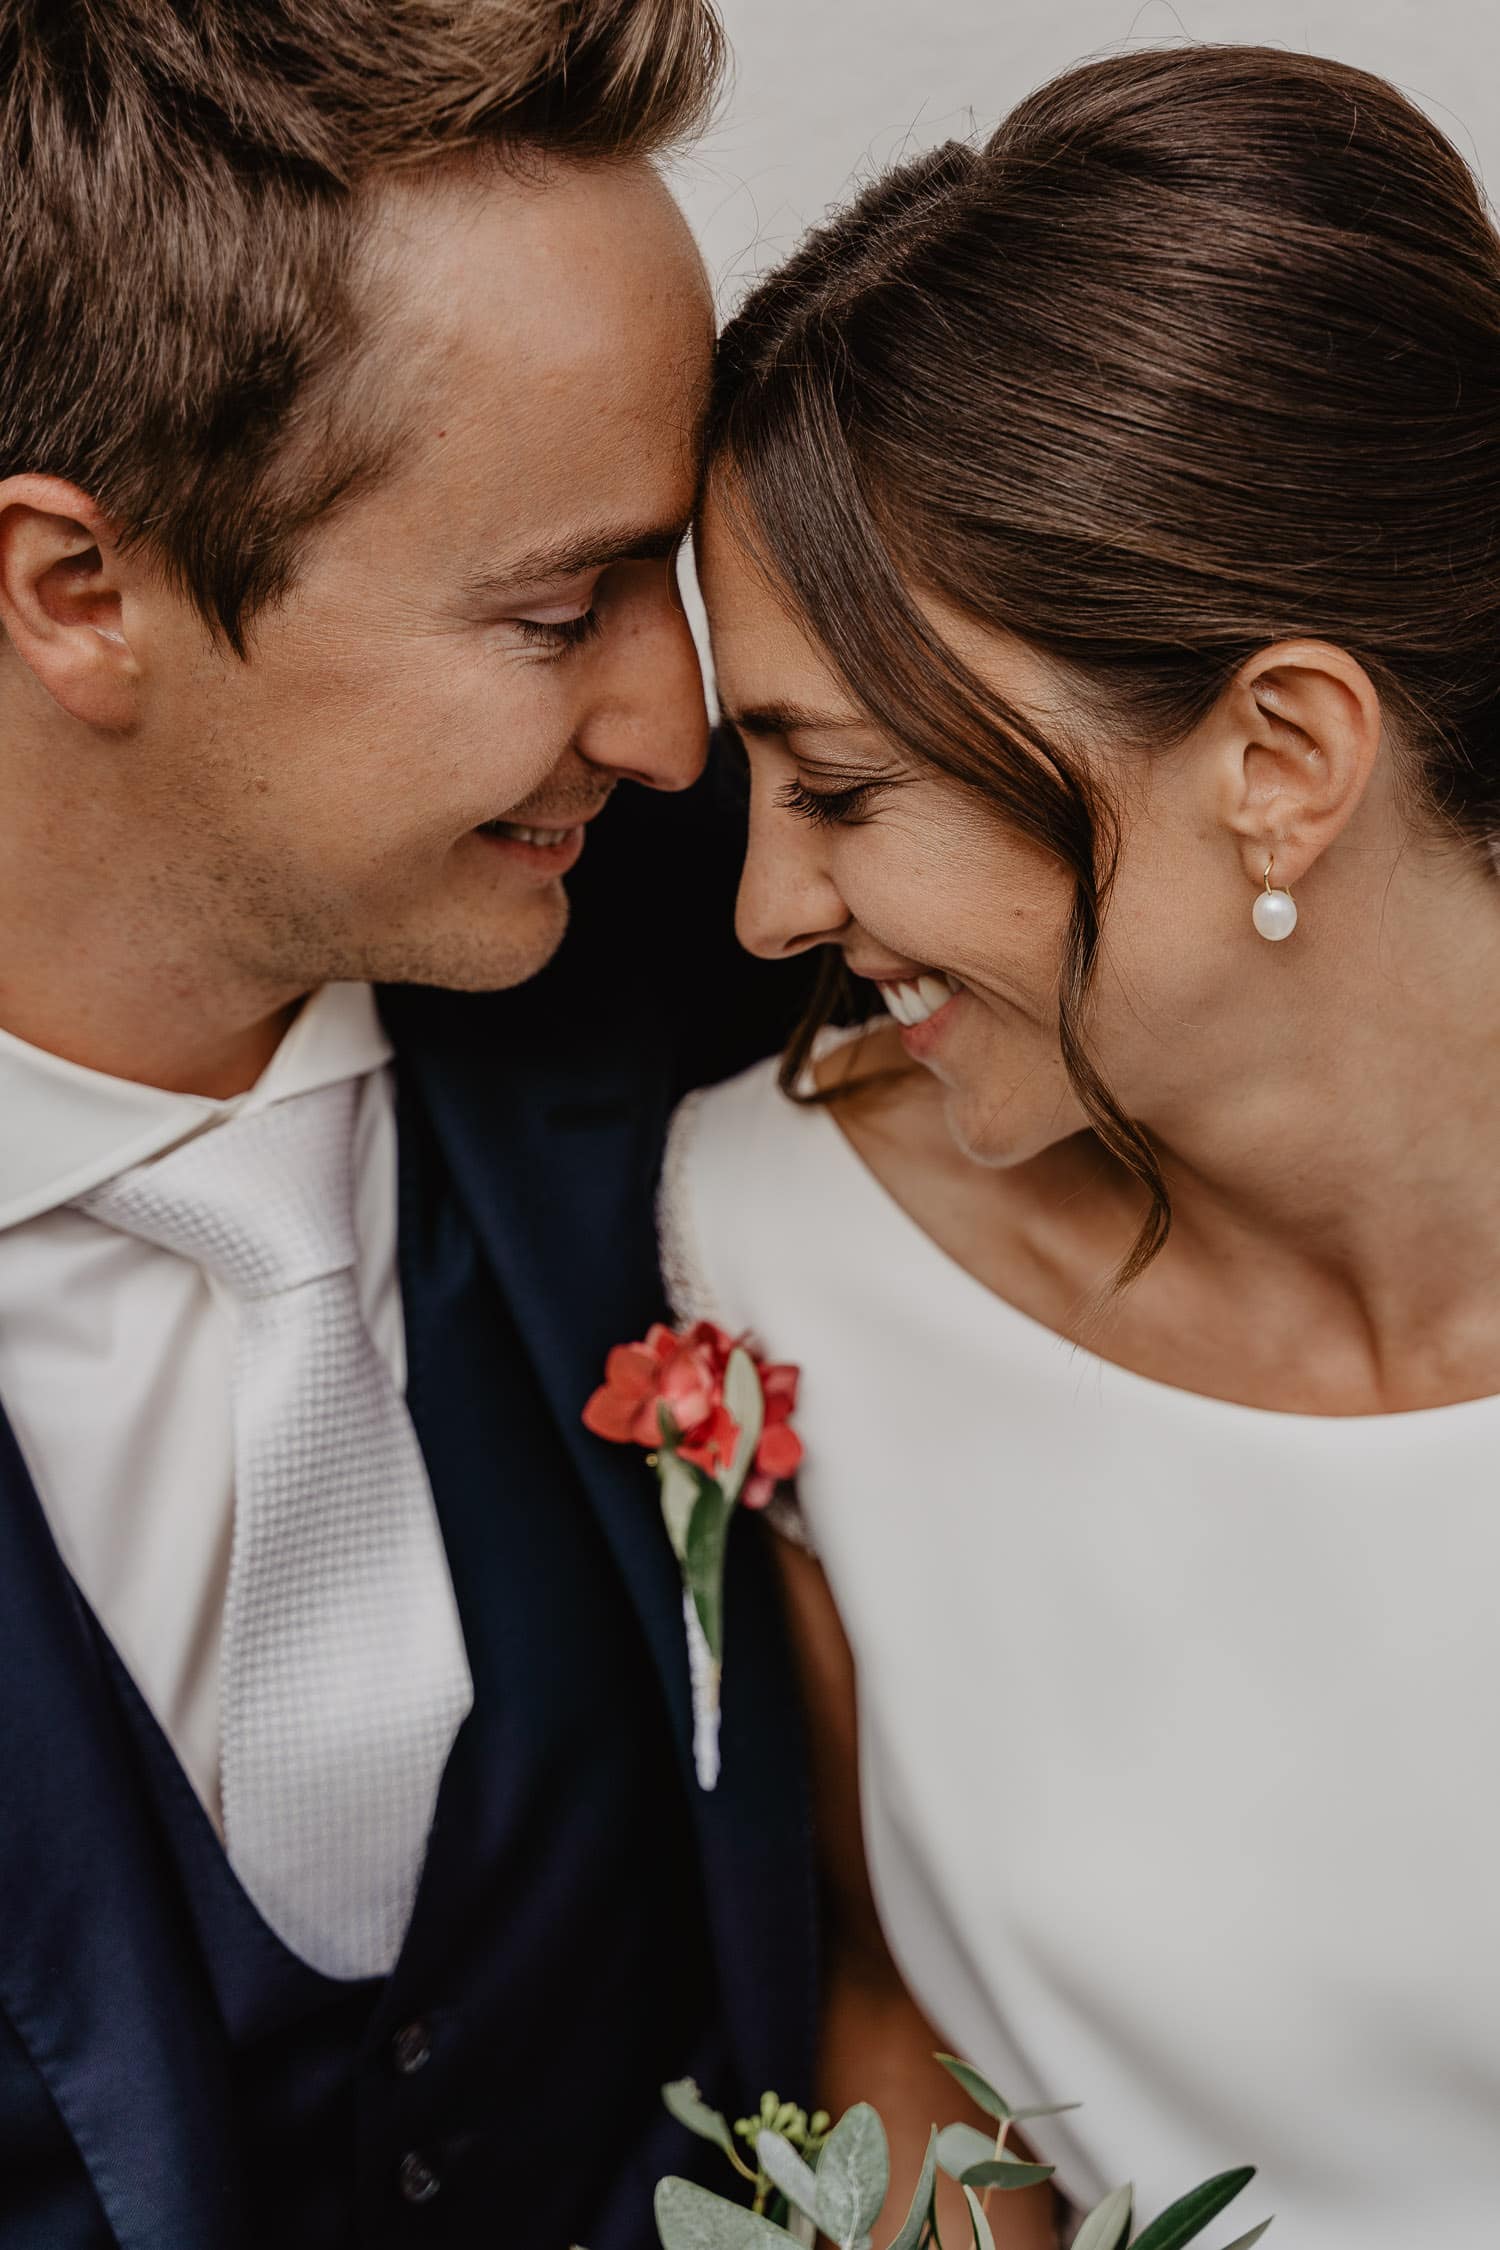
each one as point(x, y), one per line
point(805, 2181)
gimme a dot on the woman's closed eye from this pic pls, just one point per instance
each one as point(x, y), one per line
point(841, 807)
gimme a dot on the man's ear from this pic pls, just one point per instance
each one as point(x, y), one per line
point(62, 602)
point(1302, 728)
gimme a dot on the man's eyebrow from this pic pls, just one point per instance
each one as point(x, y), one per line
point(792, 718)
point(571, 557)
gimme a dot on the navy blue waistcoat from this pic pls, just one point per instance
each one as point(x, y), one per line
point(589, 1922)
point(561, 1904)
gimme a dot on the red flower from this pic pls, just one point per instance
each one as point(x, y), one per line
point(685, 1374)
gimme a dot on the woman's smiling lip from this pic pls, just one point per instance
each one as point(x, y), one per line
point(919, 1001)
point(921, 1039)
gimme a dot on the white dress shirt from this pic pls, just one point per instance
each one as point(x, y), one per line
point(115, 1356)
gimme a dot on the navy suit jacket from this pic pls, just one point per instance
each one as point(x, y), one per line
point(550, 1103)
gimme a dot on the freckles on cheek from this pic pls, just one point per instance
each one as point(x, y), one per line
point(1009, 946)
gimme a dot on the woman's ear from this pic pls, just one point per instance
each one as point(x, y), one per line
point(1302, 733)
point(61, 600)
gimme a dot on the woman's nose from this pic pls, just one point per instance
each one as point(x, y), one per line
point(788, 900)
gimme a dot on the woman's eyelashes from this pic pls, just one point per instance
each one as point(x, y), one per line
point(843, 806)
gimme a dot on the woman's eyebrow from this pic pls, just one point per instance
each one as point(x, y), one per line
point(792, 718)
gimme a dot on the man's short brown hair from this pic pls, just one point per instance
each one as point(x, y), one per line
point(180, 185)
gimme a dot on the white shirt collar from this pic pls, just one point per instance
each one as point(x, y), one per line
point(64, 1129)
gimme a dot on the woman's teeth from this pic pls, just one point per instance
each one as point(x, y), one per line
point(913, 1003)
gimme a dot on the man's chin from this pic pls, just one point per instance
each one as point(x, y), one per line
point(486, 955)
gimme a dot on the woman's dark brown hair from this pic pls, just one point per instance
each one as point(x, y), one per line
point(1201, 350)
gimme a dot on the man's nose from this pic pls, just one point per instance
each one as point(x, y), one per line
point(649, 720)
point(788, 901)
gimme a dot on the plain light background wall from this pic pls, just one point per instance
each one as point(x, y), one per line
point(827, 91)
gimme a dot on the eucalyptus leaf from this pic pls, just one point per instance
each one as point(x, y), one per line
point(914, 2226)
point(803, 2230)
point(690, 2109)
point(1043, 2109)
point(746, 1401)
point(1007, 2172)
point(959, 2146)
point(689, 2218)
point(1190, 2214)
point(1108, 2223)
point(854, 2172)
point(983, 2239)
point(703, 1560)
point(978, 2089)
point(1245, 2241)
point(786, 2170)
point(679, 1497)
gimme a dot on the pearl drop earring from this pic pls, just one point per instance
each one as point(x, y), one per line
point(1274, 912)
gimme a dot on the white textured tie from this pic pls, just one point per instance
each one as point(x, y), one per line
point(343, 1676)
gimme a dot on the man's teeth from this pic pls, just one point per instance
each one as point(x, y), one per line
point(913, 1003)
point(546, 837)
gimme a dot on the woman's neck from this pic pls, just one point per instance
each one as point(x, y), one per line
point(1345, 1180)
point(1366, 1139)
point(1334, 1172)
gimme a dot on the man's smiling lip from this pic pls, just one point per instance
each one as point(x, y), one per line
point(560, 824)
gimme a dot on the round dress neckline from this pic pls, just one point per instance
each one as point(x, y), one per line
point(1052, 1340)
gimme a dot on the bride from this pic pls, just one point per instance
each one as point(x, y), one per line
point(1103, 557)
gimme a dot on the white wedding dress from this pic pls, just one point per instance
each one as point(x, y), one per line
point(1180, 1720)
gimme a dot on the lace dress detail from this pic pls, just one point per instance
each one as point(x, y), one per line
point(684, 1271)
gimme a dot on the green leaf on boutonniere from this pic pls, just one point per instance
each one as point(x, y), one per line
point(746, 1401)
point(679, 1497)
point(983, 2239)
point(703, 1560)
point(979, 2090)
point(854, 2172)
point(1043, 2109)
point(689, 2218)
point(690, 2109)
point(1190, 2214)
point(915, 2224)
point(1108, 2223)
point(1246, 2241)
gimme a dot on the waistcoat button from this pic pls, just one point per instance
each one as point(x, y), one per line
point(419, 2183)
point(411, 2049)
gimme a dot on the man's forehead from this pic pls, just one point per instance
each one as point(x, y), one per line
point(553, 406)
point(545, 276)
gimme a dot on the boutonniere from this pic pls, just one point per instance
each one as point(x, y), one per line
point(715, 1422)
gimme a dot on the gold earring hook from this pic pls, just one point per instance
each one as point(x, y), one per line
point(1270, 863)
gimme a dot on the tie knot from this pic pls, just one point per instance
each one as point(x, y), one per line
point(264, 1202)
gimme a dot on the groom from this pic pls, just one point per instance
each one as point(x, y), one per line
point(353, 1885)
